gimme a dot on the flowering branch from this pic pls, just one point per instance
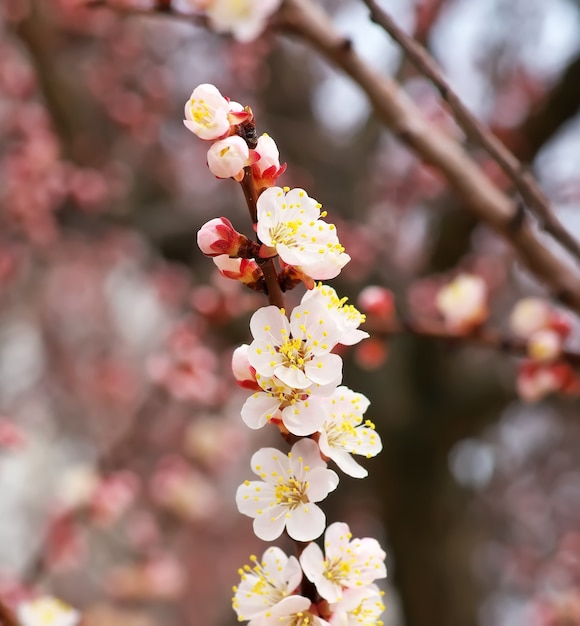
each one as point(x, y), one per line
point(512, 167)
point(309, 22)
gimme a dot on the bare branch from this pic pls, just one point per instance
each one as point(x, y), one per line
point(309, 22)
point(475, 130)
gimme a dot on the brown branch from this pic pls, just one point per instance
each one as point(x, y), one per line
point(475, 130)
point(7, 616)
point(544, 121)
point(484, 337)
point(275, 295)
point(309, 22)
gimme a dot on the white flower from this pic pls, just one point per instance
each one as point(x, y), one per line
point(358, 606)
point(227, 158)
point(244, 19)
point(265, 583)
point(529, 316)
point(347, 562)
point(345, 316)
point(297, 352)
point(292, 611)
point(288, 222)
point(343, 432)
point(47, 611)
point(463, 302)
point(206, 112)
point(302, 411)
point(285, 496)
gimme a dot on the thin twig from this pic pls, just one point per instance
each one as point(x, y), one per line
point(396, 110)
point(475, 130)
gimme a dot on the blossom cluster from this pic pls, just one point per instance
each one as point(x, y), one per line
point(295, 375)
point(544, 330)
point(289, 223)
point(344, 576)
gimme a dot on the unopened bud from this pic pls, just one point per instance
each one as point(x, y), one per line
point(246, 271)
point(267, 168)
point(228, 157)
point(218, 236)
point(244, 373)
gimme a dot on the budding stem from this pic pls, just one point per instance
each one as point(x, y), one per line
point(275, 295)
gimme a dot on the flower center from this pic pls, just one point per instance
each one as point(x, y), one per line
point(292, 493)
point(294, 352)
point(337, 569)
point(201, 113)
point(285, 233)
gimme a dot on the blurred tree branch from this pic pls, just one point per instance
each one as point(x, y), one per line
point(398, 112)
point(475, 130)
point(562, 104)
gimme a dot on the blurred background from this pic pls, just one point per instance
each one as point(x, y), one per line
point(121, 444)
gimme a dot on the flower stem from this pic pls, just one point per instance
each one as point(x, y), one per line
point(275, 295)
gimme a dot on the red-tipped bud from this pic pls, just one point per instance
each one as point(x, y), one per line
point(537, 380)
point(378, 301)
point(246, 271)
point(266, 168)
point(218, 236)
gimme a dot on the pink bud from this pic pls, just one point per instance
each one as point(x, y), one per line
point(246, 271)
point(244, 373)
point(218, 236)
point(266, 169)
point(375, 300)
point(228, 157)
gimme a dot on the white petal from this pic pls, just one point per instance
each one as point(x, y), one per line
point(322, 482)
point(306, 523)
point(269, 463)
point(268, 323)
point(270, 525)
point(312, 562)
point(259, 409)
point(347, 464)
point(253, 496)
point(304, 417)
point(292, 377)
point(324, 369)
